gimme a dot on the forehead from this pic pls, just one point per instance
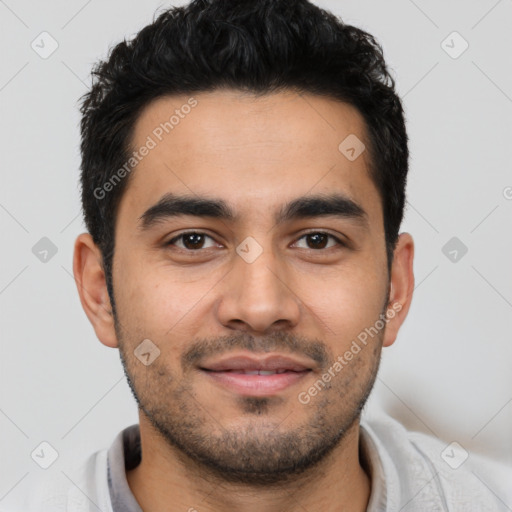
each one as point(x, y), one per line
point(253, 152)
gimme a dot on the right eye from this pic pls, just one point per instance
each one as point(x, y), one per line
point(191, 241)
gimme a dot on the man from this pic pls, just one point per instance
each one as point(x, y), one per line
point(243, 181)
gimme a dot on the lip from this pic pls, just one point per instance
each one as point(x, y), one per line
point(271, 362)
point(229, 373)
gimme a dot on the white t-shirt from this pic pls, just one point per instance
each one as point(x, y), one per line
point(410, 472)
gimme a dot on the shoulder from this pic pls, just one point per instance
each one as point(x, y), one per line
point(81, 489)
point(424, 469)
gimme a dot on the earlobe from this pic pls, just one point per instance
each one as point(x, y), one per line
point(401, 287)
point(92, 288)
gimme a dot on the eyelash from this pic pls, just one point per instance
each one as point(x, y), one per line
point(181, 235)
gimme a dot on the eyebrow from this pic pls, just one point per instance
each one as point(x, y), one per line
point(171, 205)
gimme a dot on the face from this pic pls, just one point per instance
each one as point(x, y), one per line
point(249, 271)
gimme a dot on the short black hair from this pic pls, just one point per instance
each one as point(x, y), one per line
point(256, 46)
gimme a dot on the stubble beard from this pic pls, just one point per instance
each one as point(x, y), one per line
point(264, 451)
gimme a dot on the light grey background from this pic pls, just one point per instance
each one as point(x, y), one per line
point(449, 373)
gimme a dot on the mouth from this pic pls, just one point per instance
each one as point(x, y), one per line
point(253, 372)
point(251, 376)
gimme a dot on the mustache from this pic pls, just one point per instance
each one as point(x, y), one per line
point(278, 341)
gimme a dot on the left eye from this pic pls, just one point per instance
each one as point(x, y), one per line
point(319, 240)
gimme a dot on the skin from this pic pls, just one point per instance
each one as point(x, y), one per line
point(256, 154)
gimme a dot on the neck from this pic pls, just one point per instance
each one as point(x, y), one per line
point(165, 476)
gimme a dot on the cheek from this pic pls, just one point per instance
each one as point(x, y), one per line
point(156, 302)
point(349, 301)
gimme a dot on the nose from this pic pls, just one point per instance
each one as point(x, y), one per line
point(255, 296)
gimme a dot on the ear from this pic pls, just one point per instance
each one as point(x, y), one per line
point(401, 287)
point(92, 289)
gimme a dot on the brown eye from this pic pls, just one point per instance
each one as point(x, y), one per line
point(190, 241)
point(319, 240)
